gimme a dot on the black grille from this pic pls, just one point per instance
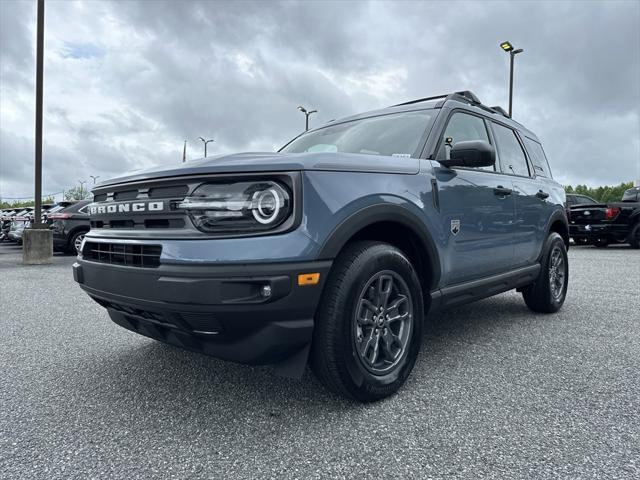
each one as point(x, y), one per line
point(126, 195)
point(176, 191)
point(144, 256)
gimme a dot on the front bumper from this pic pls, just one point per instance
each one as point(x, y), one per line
point(216, 309)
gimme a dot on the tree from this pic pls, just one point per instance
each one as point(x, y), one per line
point(604, 194)
point(25, 203)
point(77, 193)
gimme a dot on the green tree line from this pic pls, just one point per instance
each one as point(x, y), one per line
point(605, 194)
point(75, 193)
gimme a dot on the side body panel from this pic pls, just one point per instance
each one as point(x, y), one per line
point(478, 224)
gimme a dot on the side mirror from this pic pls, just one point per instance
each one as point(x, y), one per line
point(472, 153)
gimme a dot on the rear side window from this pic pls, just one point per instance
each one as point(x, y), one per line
point(631, 195)
point(538, 158)
point(512, 157)
point(461, 128)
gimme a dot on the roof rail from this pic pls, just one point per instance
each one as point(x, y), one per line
point(501, 111)
point(425, 99)
point(466, 94)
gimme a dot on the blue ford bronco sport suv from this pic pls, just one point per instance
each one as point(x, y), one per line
point(332, 251)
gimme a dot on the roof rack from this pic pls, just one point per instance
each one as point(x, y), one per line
point(464, 95)
point(501, 111)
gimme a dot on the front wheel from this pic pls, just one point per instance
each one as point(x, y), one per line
point(548, 292)
point(369, 326)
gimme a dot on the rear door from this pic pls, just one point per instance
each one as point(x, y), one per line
point(476, 207)
point(531, 194)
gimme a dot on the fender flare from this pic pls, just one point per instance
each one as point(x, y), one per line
point(558, 215)
point(369, 215)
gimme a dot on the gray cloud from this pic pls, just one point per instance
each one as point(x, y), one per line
point(127, 82)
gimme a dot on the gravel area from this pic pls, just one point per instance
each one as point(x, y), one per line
point(498, 392)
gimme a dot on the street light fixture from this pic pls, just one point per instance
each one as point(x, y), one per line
point(205, 144)
point(507, 47)
point(306, 116)
point(95, 177)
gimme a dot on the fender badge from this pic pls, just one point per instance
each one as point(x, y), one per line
point(455, 226)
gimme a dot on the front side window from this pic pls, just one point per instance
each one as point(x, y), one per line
point(512, 157)
point(393, 135)
point(538, 158)
point(462, 127)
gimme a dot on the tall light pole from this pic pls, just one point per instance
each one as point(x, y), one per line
point(39, 94)
point(205, 144)
point(95, 177)
point(306, 116)
point(507, 47)
point(82, 182)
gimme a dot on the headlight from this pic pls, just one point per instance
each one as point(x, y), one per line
point(240, 206)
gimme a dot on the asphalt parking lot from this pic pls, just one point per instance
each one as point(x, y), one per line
point(497, 392)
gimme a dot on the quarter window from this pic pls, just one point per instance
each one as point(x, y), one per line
point(512, 157)
point(538, 158)
point(461, 128)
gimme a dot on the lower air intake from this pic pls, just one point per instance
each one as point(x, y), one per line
point(143, 256)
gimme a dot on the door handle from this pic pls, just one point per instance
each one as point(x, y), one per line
point(500, 190)
point(542, 195)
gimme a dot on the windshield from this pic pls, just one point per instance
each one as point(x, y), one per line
point(396, 135)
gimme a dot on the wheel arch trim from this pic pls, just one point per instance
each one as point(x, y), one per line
point(377, 213)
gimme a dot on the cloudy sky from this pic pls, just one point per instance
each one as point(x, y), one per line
point(127, 82)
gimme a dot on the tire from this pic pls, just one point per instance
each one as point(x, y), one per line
point(581, 241)
point(601, 242)
point(634, 236)
point(355, 352)
point(75, 242)
point(541, 296)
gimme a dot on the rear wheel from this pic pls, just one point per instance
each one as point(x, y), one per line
point(369, 325)
point(634, 236)
point(548, 292)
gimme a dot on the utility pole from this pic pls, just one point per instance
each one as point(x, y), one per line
point(37, 241)
point(507, 47)
point(306, 116)
point(205, 144)
point(184, 152)
point(39, 100)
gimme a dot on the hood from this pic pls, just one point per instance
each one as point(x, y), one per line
point(276, 162)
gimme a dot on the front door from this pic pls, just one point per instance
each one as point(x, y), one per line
point(477, 209)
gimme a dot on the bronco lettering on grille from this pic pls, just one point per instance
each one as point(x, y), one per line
point(127, 207)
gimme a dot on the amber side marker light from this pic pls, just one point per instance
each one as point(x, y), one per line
point(308, 279)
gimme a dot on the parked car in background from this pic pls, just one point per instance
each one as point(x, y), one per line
point(69, 225)
point(5, 223)
point(577, 199)
point(602, 224)
point(18, 223)
point(334, 248)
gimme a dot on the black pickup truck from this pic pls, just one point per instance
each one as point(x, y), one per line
point(601, 224)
